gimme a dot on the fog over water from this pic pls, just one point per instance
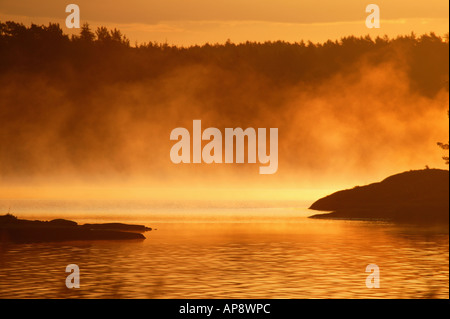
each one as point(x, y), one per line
point(356, 125)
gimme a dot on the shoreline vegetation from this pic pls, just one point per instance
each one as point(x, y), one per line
point(17, 230)
point(83, 62)
point(413, 197)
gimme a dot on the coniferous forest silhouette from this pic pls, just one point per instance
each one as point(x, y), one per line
point(47, 49)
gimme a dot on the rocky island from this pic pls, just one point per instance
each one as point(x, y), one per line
point(417, 197)
point(17, 230)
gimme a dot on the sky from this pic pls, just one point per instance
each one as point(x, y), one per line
point(190, 22)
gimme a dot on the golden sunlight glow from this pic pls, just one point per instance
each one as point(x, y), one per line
point(197, 22)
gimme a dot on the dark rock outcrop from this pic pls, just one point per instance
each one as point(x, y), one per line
point(420, 196)
point(17, 230)
point(118, 226)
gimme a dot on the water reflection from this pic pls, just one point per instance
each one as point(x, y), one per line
point(303, 259)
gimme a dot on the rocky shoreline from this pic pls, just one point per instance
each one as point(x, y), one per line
point(417, 197)
point(17, 230)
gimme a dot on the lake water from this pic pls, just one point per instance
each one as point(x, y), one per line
point(225, 250)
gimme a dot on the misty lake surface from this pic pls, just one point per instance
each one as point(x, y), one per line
point(224, 250)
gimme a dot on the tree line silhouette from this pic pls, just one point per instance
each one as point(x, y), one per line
point(107, 56)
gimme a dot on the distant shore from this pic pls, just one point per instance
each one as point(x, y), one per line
point(17, 230)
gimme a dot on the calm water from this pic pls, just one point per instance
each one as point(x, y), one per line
point(225, 250)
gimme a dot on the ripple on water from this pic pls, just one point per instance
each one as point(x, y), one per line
point(236, 261)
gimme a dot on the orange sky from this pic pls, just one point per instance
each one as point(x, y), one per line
point(190, 22)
